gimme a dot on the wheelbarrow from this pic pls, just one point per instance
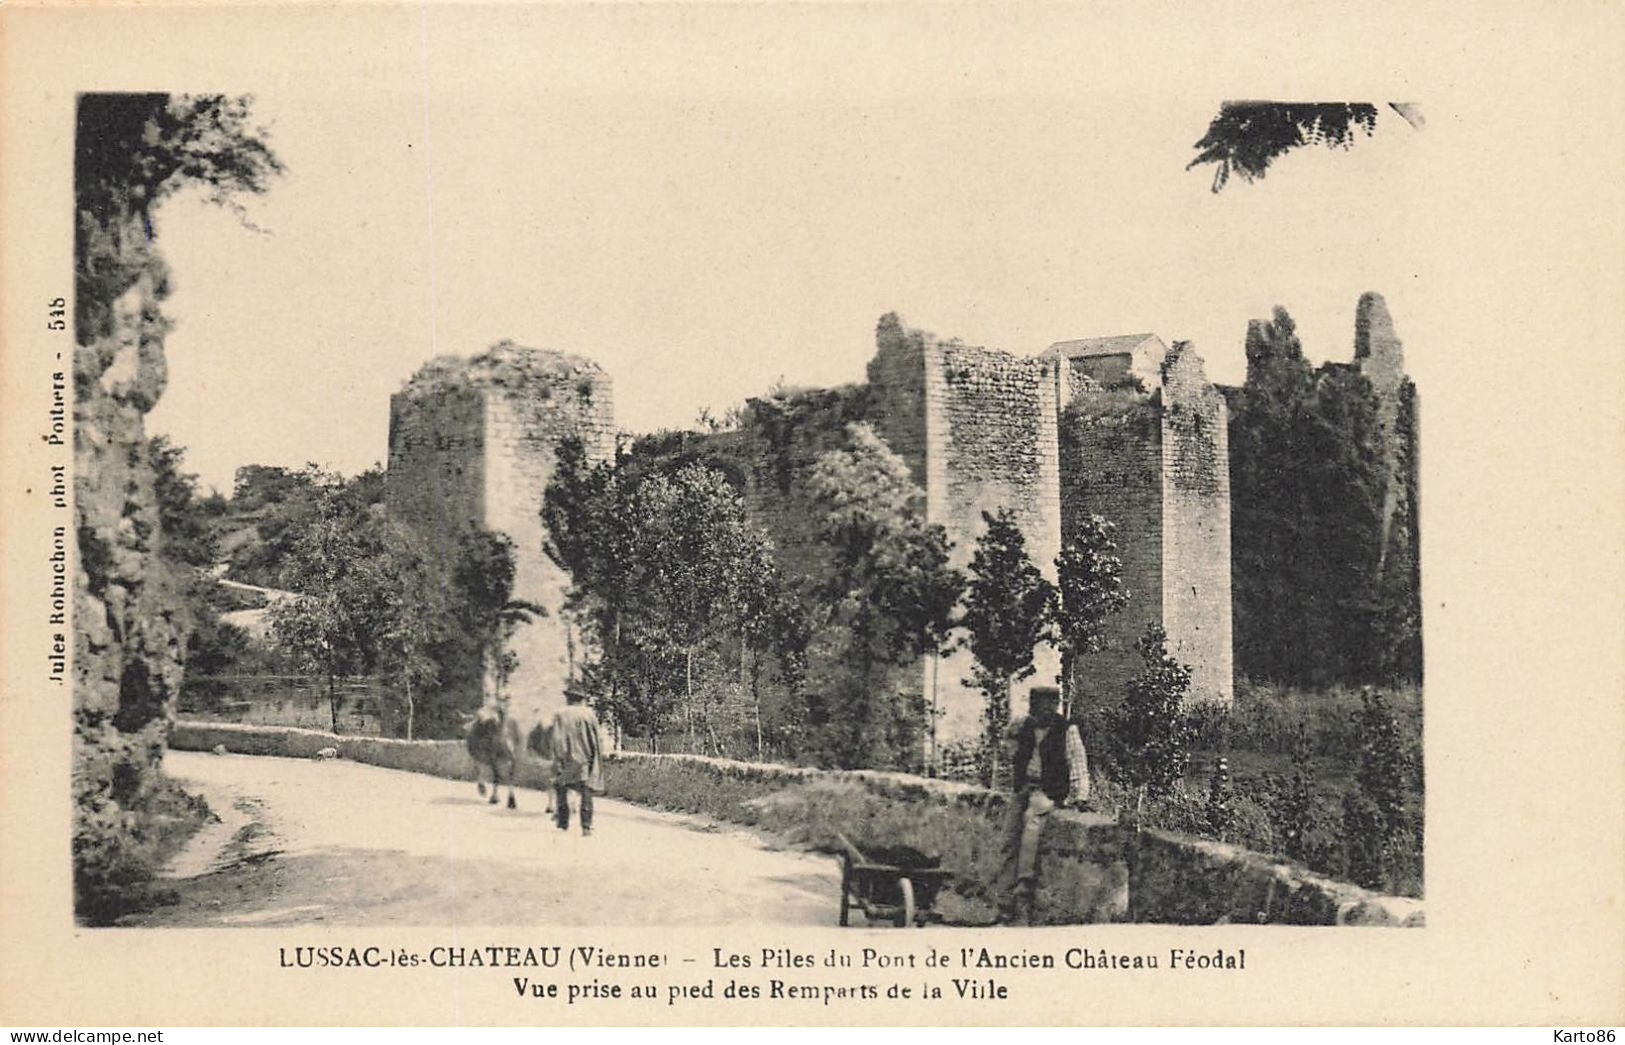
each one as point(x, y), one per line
point(890, 883)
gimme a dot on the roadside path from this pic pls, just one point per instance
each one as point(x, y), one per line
point(340, 843)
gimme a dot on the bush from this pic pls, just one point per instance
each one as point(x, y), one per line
point(1210, 725)
point(109, 860)
point(117, 850)
point(1303, 823)
point(1316, 777)
point(1267, 717)
point(1220, 802)
point(1382, 827)
point(1150, 733)
point(1248, 822)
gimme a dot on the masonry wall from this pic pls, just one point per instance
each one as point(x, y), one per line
point(981, 430)
point(770, 459)
point(780, 443)
point(992, 444)
point(907, 385)
point(436, 476)
point(1196, 526)
point(904, 362)
point(1111, 454)
point(775, 451)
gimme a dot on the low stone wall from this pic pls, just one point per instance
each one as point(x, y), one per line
point(444, 758)
point(1094, 869)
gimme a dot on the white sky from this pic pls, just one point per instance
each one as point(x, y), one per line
point(704, 218)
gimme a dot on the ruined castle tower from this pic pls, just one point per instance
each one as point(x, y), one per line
point(1380, 356)
point(978, 430)
point(472, 443)
point(1121, 427)
point(1145, 444)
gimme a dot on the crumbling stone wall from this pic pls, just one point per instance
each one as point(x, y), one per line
point(904, 376)
point(775, 449)
point(474, 441)
point(978, 428)
point(982, 429)
point(129, 626)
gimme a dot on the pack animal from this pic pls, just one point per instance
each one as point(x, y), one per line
point(493, 740)
point(493, 736)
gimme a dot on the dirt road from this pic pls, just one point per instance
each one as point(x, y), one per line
point(339, 843)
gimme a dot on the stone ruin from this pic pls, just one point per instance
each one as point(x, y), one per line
point(1127, 428)
point(471, 444)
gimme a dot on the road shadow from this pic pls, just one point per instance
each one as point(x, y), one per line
point(349, 886)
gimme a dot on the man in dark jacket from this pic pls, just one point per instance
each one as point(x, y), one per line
point(1043, 781)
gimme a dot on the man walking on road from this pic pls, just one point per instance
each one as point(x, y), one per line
point(577, 756)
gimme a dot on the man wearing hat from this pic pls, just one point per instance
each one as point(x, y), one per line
point(577, 758)
point(1043, 781)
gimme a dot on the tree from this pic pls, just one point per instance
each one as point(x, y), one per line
point(771, 623)
point(1270, 533)
point(1316, 600)
point(1008, 611)
point(1246, 137)
point(588, 535)
point(270, 508)
point(1089, 589)
point(187, 544)
point(334, 621)
point(184, 521)
point(919, 591)
point(415, 619)
point(131, 151)
point(1294, 808)
point(593, 532)
point(704, 560)
point(212, 647)
point(1150, 731)
point(1397, 628)
point(483, 573)
point(668, 580)
point(1344, 480)
point(890, 594)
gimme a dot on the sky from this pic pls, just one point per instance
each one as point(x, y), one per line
point(707, 209)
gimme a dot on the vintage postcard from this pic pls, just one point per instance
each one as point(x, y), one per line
point(811, 514)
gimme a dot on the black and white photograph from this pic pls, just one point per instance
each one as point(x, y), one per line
point(888, 486)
